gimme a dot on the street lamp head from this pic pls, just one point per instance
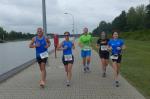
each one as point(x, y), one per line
point(65, 13)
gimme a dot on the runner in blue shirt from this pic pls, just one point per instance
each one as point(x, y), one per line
point(116, 45)
point(41, 44)
point(67, 58)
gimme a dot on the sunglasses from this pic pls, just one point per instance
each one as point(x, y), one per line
point(66, 35)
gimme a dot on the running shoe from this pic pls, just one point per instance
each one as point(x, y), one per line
point(104, 75)
point(117, 83)
point(88, 69)
point(68, 83)
point(84, 70)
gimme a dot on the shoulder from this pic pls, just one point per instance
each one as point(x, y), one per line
point(110, 40)
point(81, 36)
point(120, 40)
point(107, 40)
point(34, 38)
point(98, 40)
point(63, 42)
point(89, 35)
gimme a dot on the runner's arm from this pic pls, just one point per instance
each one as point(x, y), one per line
point(31, 45)
point(59, 47)
point(97, 44)
point(124, 47)
point(80, 44)
point(73, 45)
point(109, 47)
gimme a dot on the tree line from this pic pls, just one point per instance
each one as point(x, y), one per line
point(136, 18)
point(13, 35)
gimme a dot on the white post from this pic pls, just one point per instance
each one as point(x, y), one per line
point(44, 17)
point(72, 20)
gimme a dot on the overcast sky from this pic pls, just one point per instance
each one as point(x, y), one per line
point(26, 15)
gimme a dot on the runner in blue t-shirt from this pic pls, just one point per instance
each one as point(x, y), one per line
point(41, 44)
point(116, 45)
point(67, 57)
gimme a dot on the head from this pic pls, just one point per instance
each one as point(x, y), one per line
point(103, 35)
point(67, 34)
point(115, 35)
point(40, 32)
point(85, 30)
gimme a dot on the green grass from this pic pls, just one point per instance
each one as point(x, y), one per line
point(135, 66)
point(142, 35)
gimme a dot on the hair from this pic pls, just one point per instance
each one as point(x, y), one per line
point(67, 33)
point(40, 28)
point(115, 32)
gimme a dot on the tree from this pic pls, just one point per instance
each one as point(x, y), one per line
point(140, 10)
point(119, 23)
point(3, 33)
point(132, 19)
point(147, 17)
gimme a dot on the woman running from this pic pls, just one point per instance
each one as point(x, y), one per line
point(116, 45)
point(102, 43)
point(67, 57)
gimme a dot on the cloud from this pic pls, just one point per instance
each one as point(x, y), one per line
point(26, 15)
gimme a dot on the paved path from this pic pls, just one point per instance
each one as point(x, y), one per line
point(25, 85)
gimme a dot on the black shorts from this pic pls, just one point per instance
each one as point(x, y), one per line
point(118, 60)
point(67, 62)
point(39, 60)
point(104, 55)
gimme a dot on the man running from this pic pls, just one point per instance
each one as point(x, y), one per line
point(116, 45)
point(102, 43)
point(67, 57)
point(85, 45)
point(41, 44)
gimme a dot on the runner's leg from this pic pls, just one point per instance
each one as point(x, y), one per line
point(69, 71)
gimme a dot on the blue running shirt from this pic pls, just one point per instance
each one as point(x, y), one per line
point(41, 48)
point(114, 43)
point(68, 45)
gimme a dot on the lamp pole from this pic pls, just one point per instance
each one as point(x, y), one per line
point(72, 20)
point(44, 17)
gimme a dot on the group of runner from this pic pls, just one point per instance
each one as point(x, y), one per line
point(115, 46)
point(105, 46)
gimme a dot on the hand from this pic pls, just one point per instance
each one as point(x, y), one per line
point(110, 48)
point(47, 46)
point(97, 46)
point(118, 48)
point(37, 45)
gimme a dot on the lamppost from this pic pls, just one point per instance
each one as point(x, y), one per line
point(44, 17)
point(73, 21)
